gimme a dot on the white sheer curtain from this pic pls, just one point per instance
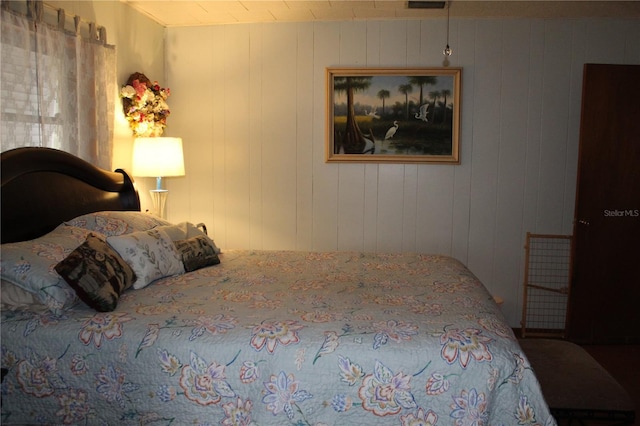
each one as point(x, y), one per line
point(58, 89)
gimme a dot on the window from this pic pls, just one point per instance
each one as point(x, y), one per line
point(57, 89)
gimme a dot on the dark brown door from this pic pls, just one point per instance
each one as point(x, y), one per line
point(604, 305)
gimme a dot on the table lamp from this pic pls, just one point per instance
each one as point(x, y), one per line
point(158, 157)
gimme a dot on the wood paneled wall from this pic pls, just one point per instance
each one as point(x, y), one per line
point(249, 102)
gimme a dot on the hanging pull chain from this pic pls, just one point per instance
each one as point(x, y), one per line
point(447, 50)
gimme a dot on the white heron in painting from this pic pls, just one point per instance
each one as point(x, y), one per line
point(391, 131)
point(422, 115)
point(373, 114)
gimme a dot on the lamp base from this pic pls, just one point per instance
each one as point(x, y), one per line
point(159, 198)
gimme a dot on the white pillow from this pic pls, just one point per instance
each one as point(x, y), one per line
point(112, 223)
point(184, 231)
point(30, 265)
point(14, 298)
point(151, 254)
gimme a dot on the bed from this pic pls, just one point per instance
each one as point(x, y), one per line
point(238, 337)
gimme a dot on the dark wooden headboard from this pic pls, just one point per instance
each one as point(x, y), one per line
point(43, 187)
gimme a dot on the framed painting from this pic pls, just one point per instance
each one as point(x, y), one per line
point(393, 115)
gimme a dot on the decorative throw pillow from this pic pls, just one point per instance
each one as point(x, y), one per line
point(186, 230)
point(151, 254)
point(30, 265)
point(97, 273)
point(197, 252)
point(110, 223)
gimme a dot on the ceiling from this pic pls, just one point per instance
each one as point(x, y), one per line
point(177, 13)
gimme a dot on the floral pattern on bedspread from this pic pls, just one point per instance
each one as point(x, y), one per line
point(276, 338)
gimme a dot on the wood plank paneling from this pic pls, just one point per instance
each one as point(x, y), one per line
point(250, 102)
point(511, 160)
point(258, 103)
point(554, 125)
point(484, 158)
point(216, 136)
point(237, 111)
point(534, 128)
point(304, 150)
point(390, 208)
point(190, 196)
point(325, 176)
point(410, 208)
point(464, 52)
point(279, 135)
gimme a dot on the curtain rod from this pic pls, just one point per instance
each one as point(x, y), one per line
point(35, 12)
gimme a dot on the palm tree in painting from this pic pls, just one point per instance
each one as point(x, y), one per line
point(421, 81)
point(352, 141)
point(405, 89)
point(444, 94)
point(435, 95)
point(382, 95)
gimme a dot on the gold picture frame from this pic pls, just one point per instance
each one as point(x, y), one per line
point(393, 115)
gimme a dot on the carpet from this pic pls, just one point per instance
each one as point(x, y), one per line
point(575, 385)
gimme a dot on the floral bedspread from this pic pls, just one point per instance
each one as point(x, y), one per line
point(277, 338)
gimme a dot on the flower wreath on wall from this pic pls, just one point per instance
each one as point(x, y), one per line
point(145, 105)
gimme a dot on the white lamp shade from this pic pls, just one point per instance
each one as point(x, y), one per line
point(157, 157)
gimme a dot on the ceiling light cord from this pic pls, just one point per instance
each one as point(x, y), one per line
point(447, 50)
